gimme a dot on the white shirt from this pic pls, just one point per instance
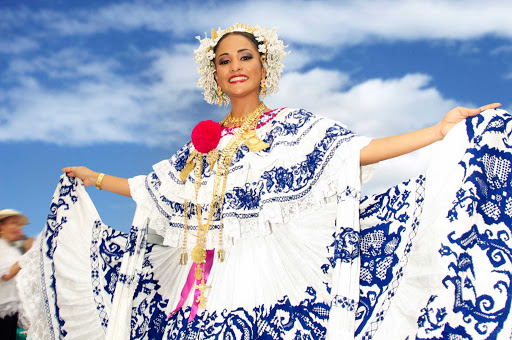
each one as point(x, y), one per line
point(9, 300)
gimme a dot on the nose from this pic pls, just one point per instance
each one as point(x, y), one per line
point(236, 65)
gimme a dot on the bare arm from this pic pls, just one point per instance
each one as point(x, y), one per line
point(15, 268)
point(385, 148)
point(117, 185)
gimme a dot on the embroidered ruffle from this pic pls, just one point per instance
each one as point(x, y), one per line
point(62, 282)
point(296, 175)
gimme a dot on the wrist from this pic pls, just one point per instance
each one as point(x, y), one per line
point(437, 132)
point(92, 177)
point(99, 180)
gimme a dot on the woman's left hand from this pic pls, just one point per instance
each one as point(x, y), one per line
point(458, 114)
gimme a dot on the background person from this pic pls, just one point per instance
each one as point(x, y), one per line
point(13, 244)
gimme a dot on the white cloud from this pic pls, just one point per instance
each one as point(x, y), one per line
point(17, 45)
point(508, 76)
point(301, 56)
point(342, 23)
point(503, 49)
point(67, 63)
point(98, 105)
point(376, 107)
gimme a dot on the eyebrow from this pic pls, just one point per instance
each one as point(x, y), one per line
point(242, 50)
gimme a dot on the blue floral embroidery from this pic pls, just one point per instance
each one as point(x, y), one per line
point(378, 246)
point(488, 188)
point(432, 319)
point(148, 314)
point(149, 321)
point(475, 306)
point(344, 248)
point(482, 289)
point(295, 181)
point(307, 320)
point(385, 248)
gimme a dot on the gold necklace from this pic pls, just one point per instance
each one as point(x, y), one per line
point(229, 119)
point(198, 254)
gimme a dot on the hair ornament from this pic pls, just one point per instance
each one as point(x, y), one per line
point(271, 48)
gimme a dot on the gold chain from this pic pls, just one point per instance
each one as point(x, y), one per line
point(183, 257)
point(224, 163)
point(198, 254)
point(229, 119)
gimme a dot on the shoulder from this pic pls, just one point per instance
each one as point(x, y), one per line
point(289, 113)
point(303, 118)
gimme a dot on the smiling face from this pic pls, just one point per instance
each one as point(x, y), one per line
point(238, 67)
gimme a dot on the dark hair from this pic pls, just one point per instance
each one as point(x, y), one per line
point(249, 36)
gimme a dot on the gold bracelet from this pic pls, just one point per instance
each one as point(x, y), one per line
point(99, 180)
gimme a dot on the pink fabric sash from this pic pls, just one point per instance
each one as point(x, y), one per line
point(191, 281)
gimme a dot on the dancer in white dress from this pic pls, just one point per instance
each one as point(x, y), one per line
point(250, 231)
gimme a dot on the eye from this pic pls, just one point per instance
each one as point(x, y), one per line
point(246, 57)
point(223, 62)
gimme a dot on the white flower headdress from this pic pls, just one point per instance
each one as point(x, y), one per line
point(270, 46)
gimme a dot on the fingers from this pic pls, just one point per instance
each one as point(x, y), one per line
point(489, 106)
point(74, 171)
point(471, 112)
point(466, 112)
point(69, 171)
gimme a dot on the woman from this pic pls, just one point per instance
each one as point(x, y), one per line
point(11, 233)
point(273, 193)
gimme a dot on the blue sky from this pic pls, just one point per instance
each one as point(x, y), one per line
point(111, 84)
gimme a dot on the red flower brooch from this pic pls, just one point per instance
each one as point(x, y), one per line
point(206, 136)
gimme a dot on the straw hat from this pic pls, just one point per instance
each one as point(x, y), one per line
point(10, 212)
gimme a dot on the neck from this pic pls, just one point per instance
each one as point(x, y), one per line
point(240, 108)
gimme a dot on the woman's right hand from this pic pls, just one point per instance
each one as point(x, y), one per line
point(87, 176)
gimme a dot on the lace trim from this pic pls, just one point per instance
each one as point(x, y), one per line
point(29, 289)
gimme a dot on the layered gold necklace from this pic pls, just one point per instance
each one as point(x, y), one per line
point(229, 119)
point(246, 133)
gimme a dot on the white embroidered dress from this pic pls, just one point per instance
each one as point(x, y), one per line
point(428, 259)
point(279, 218)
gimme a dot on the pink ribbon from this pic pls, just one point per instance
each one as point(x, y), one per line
point(191, 281)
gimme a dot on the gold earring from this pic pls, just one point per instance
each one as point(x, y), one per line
point(219, 93)
point(263, 91)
